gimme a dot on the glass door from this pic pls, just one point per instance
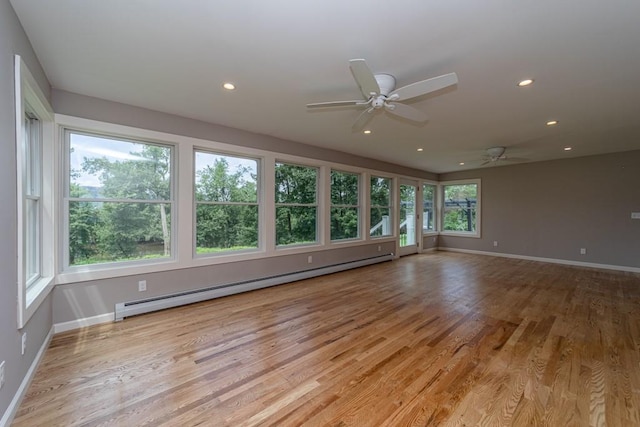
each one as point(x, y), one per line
point(408, 231)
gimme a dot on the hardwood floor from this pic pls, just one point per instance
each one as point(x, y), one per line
point(435, 339)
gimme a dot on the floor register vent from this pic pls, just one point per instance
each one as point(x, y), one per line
point(133, 308)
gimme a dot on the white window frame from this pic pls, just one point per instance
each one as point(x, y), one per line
point(259, 203)
point(441, 207)
point(30, 101)
point(66, 267)
point(436, 219)
point(358, 206)
point(392, 214)
point(317, 205)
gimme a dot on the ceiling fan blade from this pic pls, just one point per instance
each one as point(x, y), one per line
point(336, 104)
point(364, 77)
point(424, 87)
point(406, 112)
point(362, 121)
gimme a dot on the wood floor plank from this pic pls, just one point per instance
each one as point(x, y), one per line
point(431, 339)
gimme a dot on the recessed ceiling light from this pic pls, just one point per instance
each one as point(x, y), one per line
point(552, 122)
point(420, 149)
point(525, 82)
point(367, 132)
point(567, 148)
point(461, 163)
point(229, 86)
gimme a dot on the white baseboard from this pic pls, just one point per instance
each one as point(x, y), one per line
point(83, 323)
point(10, 413)
point(549, 260)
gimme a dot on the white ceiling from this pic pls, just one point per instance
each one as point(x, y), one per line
point(173, 56)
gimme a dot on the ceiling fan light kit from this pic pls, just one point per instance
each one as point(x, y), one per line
point(380, 94)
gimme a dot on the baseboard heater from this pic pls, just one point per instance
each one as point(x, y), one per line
point(132, 308)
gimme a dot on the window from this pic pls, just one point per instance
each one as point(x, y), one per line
point(428, 207)
point(226, 194)
point(461, 208)
point(345, 206)
point(381, 207)
point(119, 200)
point(32, 196)
point(35, 165)
point(296, 203)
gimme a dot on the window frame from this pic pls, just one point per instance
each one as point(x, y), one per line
point(30, 101)
point(441, 203)
point(390, 207)
point(357, 206)
point(316, 205)
point(259, 203)
point(66, 199)
point(436, 221)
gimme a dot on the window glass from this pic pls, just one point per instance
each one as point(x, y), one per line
point(460, 208)
point(381, 207)
point(345, 208)
point(119, 200)
point(296, 204)
point(226, 193)
point(32, 197)
point(428, 207)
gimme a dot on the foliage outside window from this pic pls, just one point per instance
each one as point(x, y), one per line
point(407, 229)
point(345, 207)
point(226, 190)
point(296, 203)
point(119, 199)
point(381, 207)
point(428, 207)
point(460, 208)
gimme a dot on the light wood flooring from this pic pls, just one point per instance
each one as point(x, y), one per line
point(432, 339)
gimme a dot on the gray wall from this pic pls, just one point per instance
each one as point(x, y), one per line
point(552, 209)
point(112, 112)
point(86, 299)
point(14, 41)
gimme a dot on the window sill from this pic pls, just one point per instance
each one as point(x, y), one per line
point(460, 234)
point(35, 295)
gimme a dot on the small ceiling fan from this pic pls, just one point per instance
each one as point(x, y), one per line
point(380, 93)
point(496, 154)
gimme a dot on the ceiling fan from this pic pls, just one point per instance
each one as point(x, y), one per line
point(380, 93)
point(497, 154)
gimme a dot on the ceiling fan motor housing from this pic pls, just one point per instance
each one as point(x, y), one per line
point(495, 152)
point(386, 82)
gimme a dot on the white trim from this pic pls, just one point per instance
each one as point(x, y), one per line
point(28, 93)
point(10, 413)
point(83, 323)
point(548, 260)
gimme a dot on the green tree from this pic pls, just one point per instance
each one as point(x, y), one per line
point(460, 207)
point(83, 223)
point(296, 200)
point(380, 194)
point(344, 201)
point(123, 226)
point(231, 219)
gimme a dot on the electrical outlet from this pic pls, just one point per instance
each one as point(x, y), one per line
point(142, 285)
point(495, 243)
point(379, 248)
point(635, 215)
point(1, 374)
point(583, 251)
point(310, 259)
point(24, 343)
